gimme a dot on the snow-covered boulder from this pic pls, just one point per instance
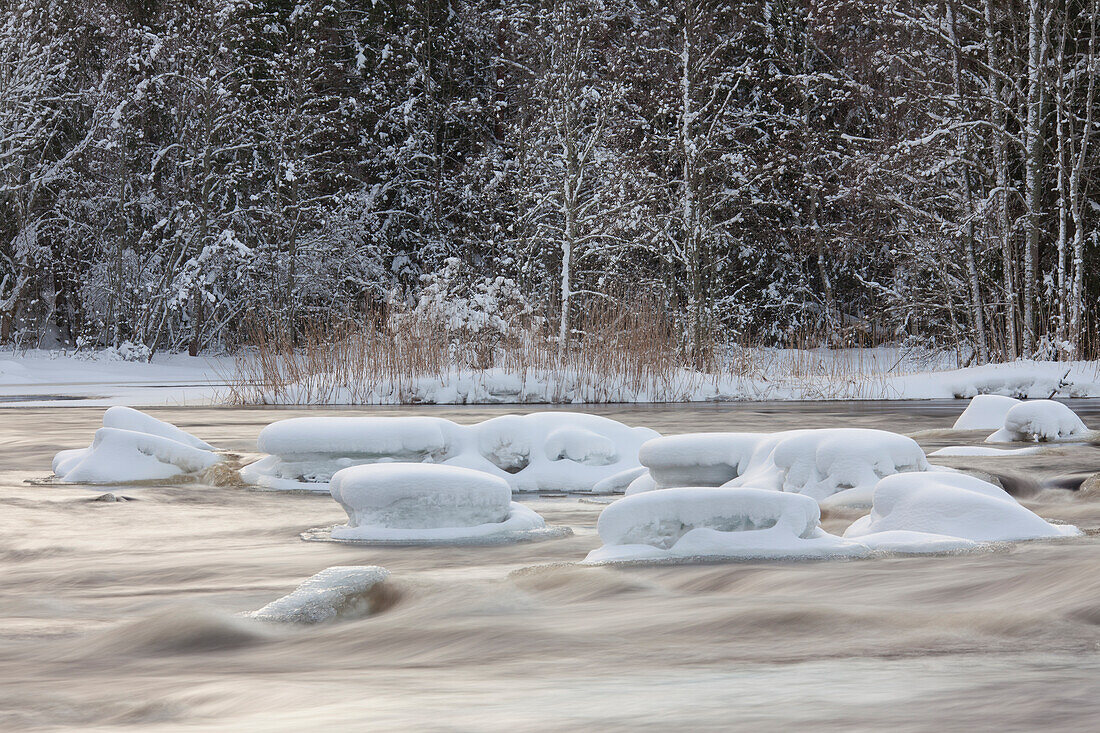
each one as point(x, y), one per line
point(838, 466)
point(698, 459)
point(919, 512)
point(698, 522)
point(1040, 421)
point(133, 446)
point(985, 412)
point(411, 502)
point(342, 590)
point(559, 451)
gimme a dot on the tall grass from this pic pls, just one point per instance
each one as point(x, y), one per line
point(621, 350)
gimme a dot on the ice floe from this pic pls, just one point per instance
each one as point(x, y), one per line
point(133, 446)
point(558, 451)
point(1040, 421)
point(342, 590)
point(412, 503)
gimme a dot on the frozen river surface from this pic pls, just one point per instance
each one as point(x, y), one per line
point(122, 614)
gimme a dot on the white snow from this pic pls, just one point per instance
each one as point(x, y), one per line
point(559, 451)
point(1040, 421)
point(335, 591)
point(837, 465)
point(426, 502)
point(148, 450)
point(946, 507)
point(981, 450)
point(985, 412)
point(715, 522)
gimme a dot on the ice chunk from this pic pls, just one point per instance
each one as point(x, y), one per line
point(715, 522)
point(985, 412)
point(1039, 421)
point(952, 505)
point(124, 455)
point(337, 591)
point(425, 502)
point(698, 459)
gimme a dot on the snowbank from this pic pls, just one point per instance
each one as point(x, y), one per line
point(411, 502)
point(133, 446)
point(715, 522)
point(985, 412)
point(840, 465)
point(938, 509)
point(337, 591)
point(1040, 421)
point(559, 451)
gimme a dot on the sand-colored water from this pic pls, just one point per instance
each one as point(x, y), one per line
point(122, 615)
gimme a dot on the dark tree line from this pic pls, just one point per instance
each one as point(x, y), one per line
point(173, 172)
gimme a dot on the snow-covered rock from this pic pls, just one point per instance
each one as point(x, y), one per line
point(341, 590)
point(1040, 421)
point(985, 412)
point(559, 451)
point(420, 502)
point(696, 522)
point(133, 446)
point(982, 450)
point(837, 465)
point(698, 459)
point(938, 509)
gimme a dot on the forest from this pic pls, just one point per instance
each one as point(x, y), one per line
point(188, 174)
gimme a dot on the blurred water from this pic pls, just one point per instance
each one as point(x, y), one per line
point(123, 614)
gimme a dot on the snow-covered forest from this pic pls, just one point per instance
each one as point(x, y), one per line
point(182, 174)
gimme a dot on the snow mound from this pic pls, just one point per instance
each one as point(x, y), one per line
point(698, 522)
point(1039, 421)
point(946, 507)
point(133, 446)
point(834, 465)
point(558, 451)
point(337, 591)
point(985, 412)
point(698, 459)
point(410, 502)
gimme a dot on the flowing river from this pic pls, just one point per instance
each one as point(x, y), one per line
point(123, 614)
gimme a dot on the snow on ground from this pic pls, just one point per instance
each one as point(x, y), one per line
point(341, 590)
point(942, 508)
point(38, 377)
point(559, 451)
point(133, 446)
point(415, 502)
point(715, 522)
point(1040, 421)
point(837, 465)
point(985, 412)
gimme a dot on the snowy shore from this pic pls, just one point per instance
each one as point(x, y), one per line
point(45, 378)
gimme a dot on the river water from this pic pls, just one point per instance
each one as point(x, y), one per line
point(122, 614)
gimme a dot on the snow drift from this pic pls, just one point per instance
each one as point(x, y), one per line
point(560, 451)
point(410, 502)
point(1040, 421)
point(715, 522)
point(133, 446)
